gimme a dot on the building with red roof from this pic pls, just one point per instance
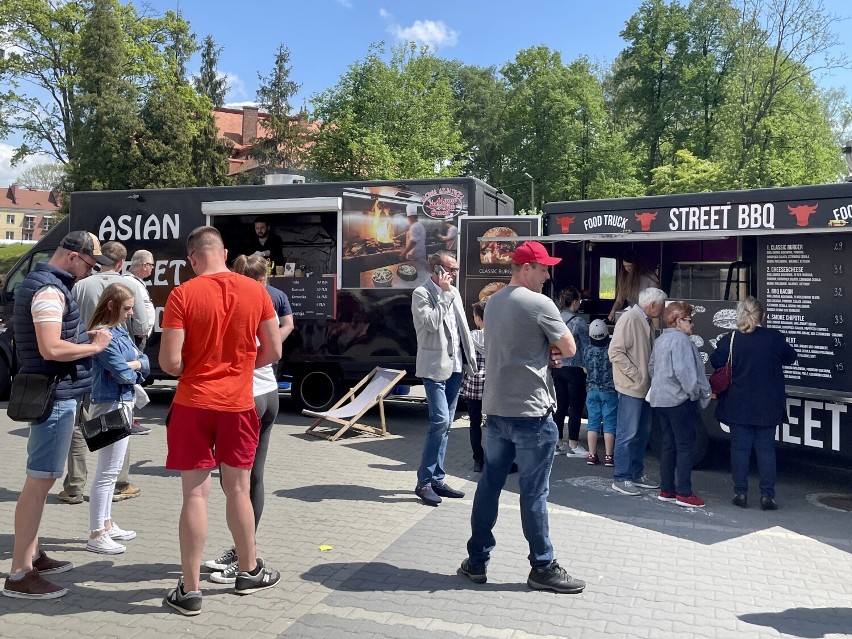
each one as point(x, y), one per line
point(27, 214)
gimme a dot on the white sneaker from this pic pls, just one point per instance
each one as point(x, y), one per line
point(577, 453)
point(227, 576)
point(104, 545)
point(560, 449)
point(123, 535)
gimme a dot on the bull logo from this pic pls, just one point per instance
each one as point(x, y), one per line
point(565, 222)
point(645, 218)
point(802, 213)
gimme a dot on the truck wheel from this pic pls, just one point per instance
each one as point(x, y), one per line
point(316, 390)
point(5, 380)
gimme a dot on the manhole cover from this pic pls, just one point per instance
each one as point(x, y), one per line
point(835, 501)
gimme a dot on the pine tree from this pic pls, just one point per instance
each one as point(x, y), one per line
point(209, 82)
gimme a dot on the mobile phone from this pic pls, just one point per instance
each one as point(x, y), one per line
point(439, 270)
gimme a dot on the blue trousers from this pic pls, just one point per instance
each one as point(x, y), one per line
point(633, 427)
point(529, 442)
point(744, 437)
point(677, 424)
point(442, 398)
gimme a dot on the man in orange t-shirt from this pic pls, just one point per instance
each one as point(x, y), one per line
point(217, 328)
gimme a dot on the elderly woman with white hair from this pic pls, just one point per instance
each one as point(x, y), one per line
point(755, 402)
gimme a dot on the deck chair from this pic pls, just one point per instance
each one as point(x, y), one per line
point(349, 409)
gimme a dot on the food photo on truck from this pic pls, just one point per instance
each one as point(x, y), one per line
point(790, 247)
point(348, 255)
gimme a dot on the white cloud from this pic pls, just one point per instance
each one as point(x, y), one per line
point(237, 91)
point(345, 3)
point(9, 173)
point(432, 33)
point(383, 13)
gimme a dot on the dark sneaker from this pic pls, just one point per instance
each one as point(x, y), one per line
point(228, 557)
point(476, 575)
point(227, 576)
point(767, 503)
point(592, 460)
point(138, 429)
point(427, 495)
point(442, 490)
point(261, 579)
point(609, 461)
point(646, 482)
point(690, 501)
point(32, 586)
point(555, 579)
point(186, 603)
point(47, 566)
point(66, 497)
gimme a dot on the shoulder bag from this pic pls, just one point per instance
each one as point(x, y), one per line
point(106, 429)
point(31, 397)
point(721, 377)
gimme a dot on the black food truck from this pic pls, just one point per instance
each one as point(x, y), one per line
point(789, 247)
point(352, 254)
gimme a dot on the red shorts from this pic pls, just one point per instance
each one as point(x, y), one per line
point(203, 438)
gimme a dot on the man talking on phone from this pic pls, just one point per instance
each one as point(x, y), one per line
point(444, 351)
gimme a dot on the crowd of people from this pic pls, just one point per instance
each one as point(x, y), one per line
point(222, 335)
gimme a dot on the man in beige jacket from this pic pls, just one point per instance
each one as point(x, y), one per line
point(629, 352)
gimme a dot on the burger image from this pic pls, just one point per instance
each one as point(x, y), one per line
point(489, 289)
point(726, 318)
point(494, 252)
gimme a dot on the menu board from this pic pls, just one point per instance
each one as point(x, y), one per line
point(802, 286)
point(310, 297)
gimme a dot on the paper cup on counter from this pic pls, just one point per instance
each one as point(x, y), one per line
point(279, 270)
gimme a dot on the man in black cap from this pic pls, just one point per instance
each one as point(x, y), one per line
point(47, 327)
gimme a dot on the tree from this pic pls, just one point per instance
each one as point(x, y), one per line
point(105, 150)
point(388, 119)
point(209, 82)
point(44, 177)
point(687, 174)
point(286, 138)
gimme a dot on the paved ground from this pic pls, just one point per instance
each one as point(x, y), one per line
point(653, 570)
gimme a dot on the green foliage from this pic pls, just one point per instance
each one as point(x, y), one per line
point(388, 119)
point(209, 82)
point(687, 174)
point(9, 254)
point(42, 176)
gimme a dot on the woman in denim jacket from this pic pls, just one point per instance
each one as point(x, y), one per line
point(114, 373)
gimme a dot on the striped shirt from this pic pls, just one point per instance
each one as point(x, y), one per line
point(48, 305)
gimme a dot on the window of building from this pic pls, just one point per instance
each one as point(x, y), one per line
point(10, 218)
point(46, 222)
point(10, 235)
point(27, 236)
point(29, 222)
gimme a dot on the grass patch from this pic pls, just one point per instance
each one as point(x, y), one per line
point(9, 254)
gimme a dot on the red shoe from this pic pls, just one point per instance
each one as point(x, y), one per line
point(664, 496)
point(690, 501)
point(592, 459)
point(609, 462)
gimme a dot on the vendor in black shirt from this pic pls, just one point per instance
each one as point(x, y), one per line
point(265, 243)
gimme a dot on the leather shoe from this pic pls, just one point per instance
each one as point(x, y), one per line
point(427, 495)
point(740, 500)
point(767, 503)
point(477, 466)
point(445, 491)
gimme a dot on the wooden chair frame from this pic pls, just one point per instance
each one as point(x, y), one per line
point(346, 421)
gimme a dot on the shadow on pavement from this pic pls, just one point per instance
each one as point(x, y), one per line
point(804, 622)
point(382, 577)
point(321, 492)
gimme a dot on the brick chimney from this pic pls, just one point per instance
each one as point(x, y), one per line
point(249, 124)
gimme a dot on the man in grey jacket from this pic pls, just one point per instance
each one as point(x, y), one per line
point(630, 352)
point(444, 351)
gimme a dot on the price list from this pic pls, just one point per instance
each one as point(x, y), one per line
point(803, 289)
point(310, 297)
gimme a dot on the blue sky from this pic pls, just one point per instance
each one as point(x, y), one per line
point(326, 36)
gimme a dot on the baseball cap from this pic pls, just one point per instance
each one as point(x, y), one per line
point(86, 244)
point(598, 329)
point(534, 253)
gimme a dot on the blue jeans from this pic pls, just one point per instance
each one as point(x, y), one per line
point(50, 440)
point(633, 426)
point(441, 398)
point(744, 437)
point(678, 424)
point(602, 407)
point(529, 442)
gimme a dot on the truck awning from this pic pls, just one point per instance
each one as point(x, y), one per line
point(258, 207)
point(663, 236)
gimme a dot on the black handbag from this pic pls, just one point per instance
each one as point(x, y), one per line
point(106, 429)
point(31, 397)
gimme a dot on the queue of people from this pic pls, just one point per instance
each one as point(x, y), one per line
point(223, 331)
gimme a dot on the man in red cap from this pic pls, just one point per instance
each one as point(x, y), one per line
point(526, 336)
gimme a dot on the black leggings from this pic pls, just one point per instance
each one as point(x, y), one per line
point(570, 383)
point(267, 410)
